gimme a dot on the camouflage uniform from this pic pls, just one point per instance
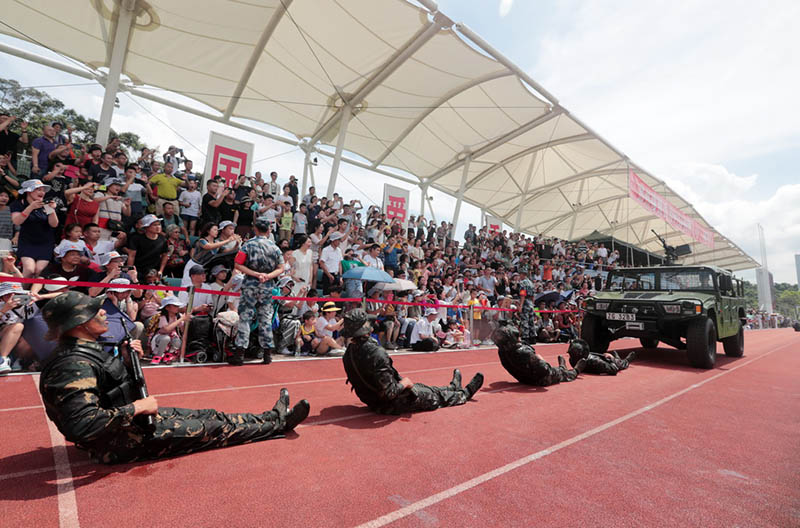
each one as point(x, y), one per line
point(527, 315)
point(521, 361)
point(263, 256)
point(89, 394)
point(376, 382)
point(609, 364)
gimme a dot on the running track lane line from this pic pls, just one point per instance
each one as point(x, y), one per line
point(67, 503)
point(480, 479)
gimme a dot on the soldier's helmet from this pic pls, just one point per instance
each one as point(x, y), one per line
point(357, 323)
point(506, 336)
point(69, 310)
point(578, 348)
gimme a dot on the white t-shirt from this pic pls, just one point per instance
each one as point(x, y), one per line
point(602, 252)
point(103, 247)
point(301, 222)
point(193, 198)
point(199, 298)
point(331, 257)
point(372, 262)
point(322, 326)
point(423, 327)
point(303, 265)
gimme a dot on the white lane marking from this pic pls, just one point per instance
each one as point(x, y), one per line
point(22, 408)
point(36, 471)
point(67, 503)
point(285, 383)
point(480, 479)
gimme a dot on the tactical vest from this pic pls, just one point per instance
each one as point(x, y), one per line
point(113, 381)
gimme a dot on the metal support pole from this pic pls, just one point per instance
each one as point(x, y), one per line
point(524, 196)
point(311, 173)
point(460, 196)
point(118, 53)
point(185, 335)
point(306, 165)
point(423, 194)
point(347, 111)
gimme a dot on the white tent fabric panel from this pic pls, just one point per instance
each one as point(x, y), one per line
point(424, 100)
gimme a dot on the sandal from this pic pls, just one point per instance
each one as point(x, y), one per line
point(155, 360)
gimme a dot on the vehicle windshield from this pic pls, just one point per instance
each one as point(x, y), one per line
point(632, 281)
point(687, 280)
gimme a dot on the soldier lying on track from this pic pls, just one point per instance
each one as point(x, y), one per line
point(522, 361)
point(609, 363)
point(376, 382)
point(88, 394)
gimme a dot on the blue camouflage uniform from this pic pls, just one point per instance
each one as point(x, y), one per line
point(527, 315)
point(263, 256)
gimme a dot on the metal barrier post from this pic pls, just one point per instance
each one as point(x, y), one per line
point(189, 307)
point(471, 315)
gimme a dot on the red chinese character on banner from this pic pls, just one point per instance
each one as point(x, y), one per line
point(228, 163)
point(396, 208)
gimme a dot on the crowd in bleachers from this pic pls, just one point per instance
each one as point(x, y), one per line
point(97, 214)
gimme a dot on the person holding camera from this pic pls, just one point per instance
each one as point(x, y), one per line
point(167, 186)
point(37, 223)
point(113, 207)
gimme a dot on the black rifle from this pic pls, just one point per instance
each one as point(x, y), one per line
point(146, 421)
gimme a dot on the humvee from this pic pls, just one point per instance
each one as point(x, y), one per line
point(687, 307)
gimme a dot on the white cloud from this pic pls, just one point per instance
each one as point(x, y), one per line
point(505, 7)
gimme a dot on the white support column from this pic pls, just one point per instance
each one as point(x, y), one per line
point(306, 166)
point(518, 225)
point(423, 189)
point(347, 111)
point(483, 218)
point(460, 196)
point(118, 52)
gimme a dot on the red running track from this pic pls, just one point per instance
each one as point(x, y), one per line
point(659, 445)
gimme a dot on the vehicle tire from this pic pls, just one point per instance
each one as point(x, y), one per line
point(734, 345)
point(648, 342)
point(701, 343)
point(201, 357)
point(593, 333)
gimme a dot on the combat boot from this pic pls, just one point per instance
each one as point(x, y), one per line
point(475, 383)
point(630, 357)
point(456, 383)
point(267, 356)
point(237, 357)
point(580, 365)
point(561, 362)
point(282, 405)
point(298, 413)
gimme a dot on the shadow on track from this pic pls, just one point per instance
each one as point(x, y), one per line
point(511, 386)
point(673, 359)
point(369, 420)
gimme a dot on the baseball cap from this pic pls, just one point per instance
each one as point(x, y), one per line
point(149, 220)
point(119, 285)
point(218, 268)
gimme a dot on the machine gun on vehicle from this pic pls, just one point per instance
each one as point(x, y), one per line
point(671, 253)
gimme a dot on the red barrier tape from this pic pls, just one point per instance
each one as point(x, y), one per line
point(309, 300)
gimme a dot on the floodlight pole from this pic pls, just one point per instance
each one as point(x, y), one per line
point(347, 111)
point(118, 53)
point(306, 166)
point(460, 197)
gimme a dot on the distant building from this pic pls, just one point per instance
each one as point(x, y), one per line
point(766, 290)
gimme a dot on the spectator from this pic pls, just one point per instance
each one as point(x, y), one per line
point(104, 171)
point(327, 324)
point(45, 148)
point(145, 161)
point(189, 201)
point(204, 250)
point(7, 227)
point(113, 206)
point(136, 192)
point(272, 186)
point(177, 251)
point(330, 261)
point(8, 139)
point(148, 251)
point(121, 313)
point(166, 341)
point(212, 200)
point(11, 325)
point(97, 248)
point(170, 218)
point(37, 223)
point(166, 188)
point(423, 336)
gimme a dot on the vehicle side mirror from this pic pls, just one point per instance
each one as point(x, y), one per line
point(725, 283)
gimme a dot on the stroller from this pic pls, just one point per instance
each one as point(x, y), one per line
point(224, 337)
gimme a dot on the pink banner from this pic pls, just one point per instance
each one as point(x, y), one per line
point(648, 198)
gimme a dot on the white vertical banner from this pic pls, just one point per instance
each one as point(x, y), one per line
point(395, 203)
point(493, 223)
point(228, 157)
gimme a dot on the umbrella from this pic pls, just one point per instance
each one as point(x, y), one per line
point(397, 285)
point(547, 297)
point(565, 296)
point(366, 273)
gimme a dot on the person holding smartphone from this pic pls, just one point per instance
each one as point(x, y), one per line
point(37, 223)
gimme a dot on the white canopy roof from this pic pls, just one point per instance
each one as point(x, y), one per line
point(429, 99)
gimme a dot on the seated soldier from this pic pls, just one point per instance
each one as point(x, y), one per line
point(370, 371)
point(522, 361)
point(91, 397)
point(609, 363)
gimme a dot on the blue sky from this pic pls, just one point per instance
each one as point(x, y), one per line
point(702, 94)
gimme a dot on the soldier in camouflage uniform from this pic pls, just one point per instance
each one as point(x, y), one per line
point(261, 262)
point(609, 363)
point(372, 376)
point(522, 361)
point(527, 313)
point(91, 397)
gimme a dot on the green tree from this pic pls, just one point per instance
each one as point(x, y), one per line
point(788, 302)
point(40, 109)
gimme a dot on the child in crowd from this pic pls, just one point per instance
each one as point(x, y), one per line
point(166, 340)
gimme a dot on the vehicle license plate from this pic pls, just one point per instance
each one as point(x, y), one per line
point(620, 316)
point(634, 326)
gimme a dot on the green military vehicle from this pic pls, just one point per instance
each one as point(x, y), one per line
point(687, 307)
